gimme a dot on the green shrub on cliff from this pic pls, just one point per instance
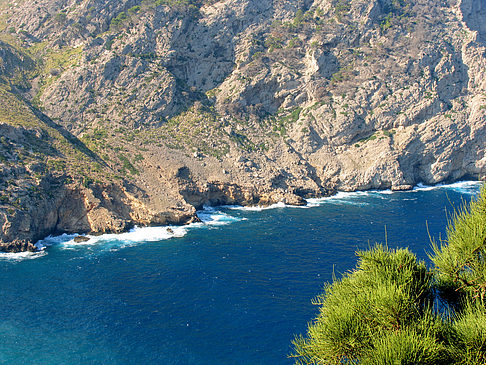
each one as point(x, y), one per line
point(386, 312)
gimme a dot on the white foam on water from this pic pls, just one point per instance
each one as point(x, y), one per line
point(113, 241)
point(463, 187)
point(54, 240)
point(134, 236)
point(345, 197)
point(422, 187)
point(213, 217)
point(342, 197)
point(20, 256)
point(28, 255)
point(258, 208)
point(312, 202)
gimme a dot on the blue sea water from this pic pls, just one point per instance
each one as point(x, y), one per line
point(234, 290)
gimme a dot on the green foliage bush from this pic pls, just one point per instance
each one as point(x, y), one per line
point(460, 260)
point(127, 165)
point(116, 21)
point(386, 311)
point(470, 334)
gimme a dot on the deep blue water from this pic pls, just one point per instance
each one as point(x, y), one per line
point(233, 291)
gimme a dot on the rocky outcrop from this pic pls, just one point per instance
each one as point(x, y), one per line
point(81, 239)
point(77, 209)
point(231, 194)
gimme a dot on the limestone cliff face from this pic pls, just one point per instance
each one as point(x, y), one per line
point(71, 208)
point(181, 104)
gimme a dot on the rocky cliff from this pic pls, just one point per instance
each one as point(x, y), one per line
point(125, 112)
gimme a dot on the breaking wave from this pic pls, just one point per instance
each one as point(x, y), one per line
point(356, 197)
point(351, 197)
point(258, 208)
point(19, 256)
point(462, 187)
point(209, 216)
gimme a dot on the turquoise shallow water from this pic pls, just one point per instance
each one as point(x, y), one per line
point(234, 290)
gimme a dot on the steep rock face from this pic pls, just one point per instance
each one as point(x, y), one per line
point(173, 105)
point(98, 209)
point(473, 12)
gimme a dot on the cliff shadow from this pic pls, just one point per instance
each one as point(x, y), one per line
point(474, 15)
point(75, 142)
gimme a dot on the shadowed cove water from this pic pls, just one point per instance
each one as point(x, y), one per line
point(232, 290)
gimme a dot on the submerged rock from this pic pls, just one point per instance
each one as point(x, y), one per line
point(79, 239)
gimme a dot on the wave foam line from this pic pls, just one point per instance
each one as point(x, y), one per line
point(463, 187)
point(349, 197)
point(130, 238)
point(258, 208)
point(343, 197)
point(28, 255)
point(209, 217)
point(20, 256)
point(213, 217)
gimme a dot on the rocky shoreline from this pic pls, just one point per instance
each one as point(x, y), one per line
point(111, 209)
point(81, 211)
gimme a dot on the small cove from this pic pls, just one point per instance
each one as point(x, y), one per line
point(235, 289)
